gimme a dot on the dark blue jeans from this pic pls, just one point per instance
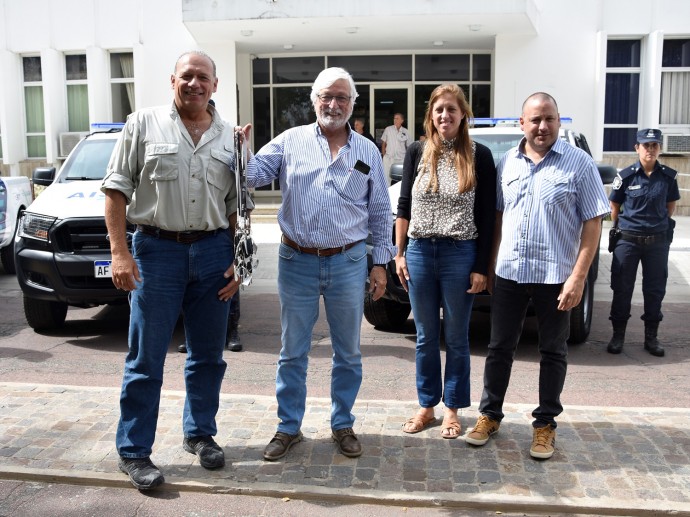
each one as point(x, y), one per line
point(626, 257)
point(175, 278)
point(508, 308)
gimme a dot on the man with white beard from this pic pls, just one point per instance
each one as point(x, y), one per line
point(334, 193)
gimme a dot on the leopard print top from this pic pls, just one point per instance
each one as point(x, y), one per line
point(446, 213)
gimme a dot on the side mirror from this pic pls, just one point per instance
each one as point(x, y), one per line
point(608, 173)
point(396, 172)
point(44, 176)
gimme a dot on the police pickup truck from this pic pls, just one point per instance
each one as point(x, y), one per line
point(15, 195)
point(392, 310)
point(62, 251)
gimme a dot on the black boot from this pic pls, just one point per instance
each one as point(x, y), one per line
point(233, 344)
point(616, 344)
point(651, 343)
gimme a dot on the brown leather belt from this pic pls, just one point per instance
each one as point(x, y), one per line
point(644, 239)
point(181, 237)
point(321, 252)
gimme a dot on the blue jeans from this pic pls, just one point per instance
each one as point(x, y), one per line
point(439, 278)
point(508, 308)
point(302, 280)
point(175, 277)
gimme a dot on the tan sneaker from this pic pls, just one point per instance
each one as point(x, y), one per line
point(483, 429)
point(543, 439)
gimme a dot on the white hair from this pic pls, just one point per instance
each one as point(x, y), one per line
point(330, 75)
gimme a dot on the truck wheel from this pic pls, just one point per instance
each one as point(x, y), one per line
point(581, 315)
point(594, 268)
point(44, 315)
point(7, 255)
point(385, 314)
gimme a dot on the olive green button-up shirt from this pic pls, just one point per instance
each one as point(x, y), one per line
point(169, 182)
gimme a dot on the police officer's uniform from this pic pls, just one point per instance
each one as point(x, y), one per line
point(644, 225)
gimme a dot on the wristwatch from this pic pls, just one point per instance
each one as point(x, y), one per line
point(380, 265)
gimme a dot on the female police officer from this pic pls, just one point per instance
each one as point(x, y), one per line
point(642, 201)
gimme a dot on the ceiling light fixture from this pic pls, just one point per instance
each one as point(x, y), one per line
point(246, 32)
point(352, 30)
point(475, 27)
point(288, 46)
point(438, 43)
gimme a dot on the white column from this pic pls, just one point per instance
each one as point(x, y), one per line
point(98, 75)
point(12, 111)
point(650, 79)
point(54, 100)
point(596, 143)
point(224, 55)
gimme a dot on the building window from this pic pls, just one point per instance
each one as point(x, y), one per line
point(281, 86)
point(122, 84)
point(621, 105)
point(675, 82)
point(77, 93)
point(33, 107)
point(375, 69)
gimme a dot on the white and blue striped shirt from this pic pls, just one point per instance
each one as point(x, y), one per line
point(544, 207)
point(327, 203)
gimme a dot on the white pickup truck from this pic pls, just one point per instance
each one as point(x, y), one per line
point(15, 195)
point(62, 250)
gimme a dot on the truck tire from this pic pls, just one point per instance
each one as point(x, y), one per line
point(385, 314)
point(594, 268)
point(7, 255)
point(581, 315)
point(43, 314)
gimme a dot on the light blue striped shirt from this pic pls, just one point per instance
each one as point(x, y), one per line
point(544, 207)
point(327, 202)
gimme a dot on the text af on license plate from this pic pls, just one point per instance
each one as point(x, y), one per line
point(101, 269)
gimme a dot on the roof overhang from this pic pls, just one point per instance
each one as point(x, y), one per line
point(306, 26)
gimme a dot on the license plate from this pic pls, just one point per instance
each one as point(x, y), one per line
point(101, 269)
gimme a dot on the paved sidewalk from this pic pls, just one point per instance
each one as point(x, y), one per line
point(613, 461)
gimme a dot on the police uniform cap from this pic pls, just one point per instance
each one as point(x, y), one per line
point(648, 135)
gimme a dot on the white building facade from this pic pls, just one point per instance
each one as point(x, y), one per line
point(613, 65)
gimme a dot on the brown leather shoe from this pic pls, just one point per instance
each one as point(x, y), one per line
point(280, 445)
point(347, 441)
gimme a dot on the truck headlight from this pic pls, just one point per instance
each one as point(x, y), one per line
point(35, 226)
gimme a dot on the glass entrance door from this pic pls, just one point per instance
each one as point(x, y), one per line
point(386, 101)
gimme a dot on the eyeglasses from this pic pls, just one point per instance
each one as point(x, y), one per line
point(340, 99)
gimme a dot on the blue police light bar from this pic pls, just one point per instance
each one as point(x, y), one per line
point(507, 121)
point(100, 126)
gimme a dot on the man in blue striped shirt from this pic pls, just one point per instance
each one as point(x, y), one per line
point(549, 204)
point(334, 193)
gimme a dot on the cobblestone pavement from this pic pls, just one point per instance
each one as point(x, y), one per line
point(614, 461)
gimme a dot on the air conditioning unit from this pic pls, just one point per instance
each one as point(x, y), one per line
point(69, 140)
point(676, 144)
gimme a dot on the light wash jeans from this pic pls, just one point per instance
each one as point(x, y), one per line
point(302, 280)
point(439, 278)
point(175, 278)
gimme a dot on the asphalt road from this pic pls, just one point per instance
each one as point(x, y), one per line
point(90, 349)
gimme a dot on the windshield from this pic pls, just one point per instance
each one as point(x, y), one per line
point(498, 143)
point(88, 161)
point(501, 143)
